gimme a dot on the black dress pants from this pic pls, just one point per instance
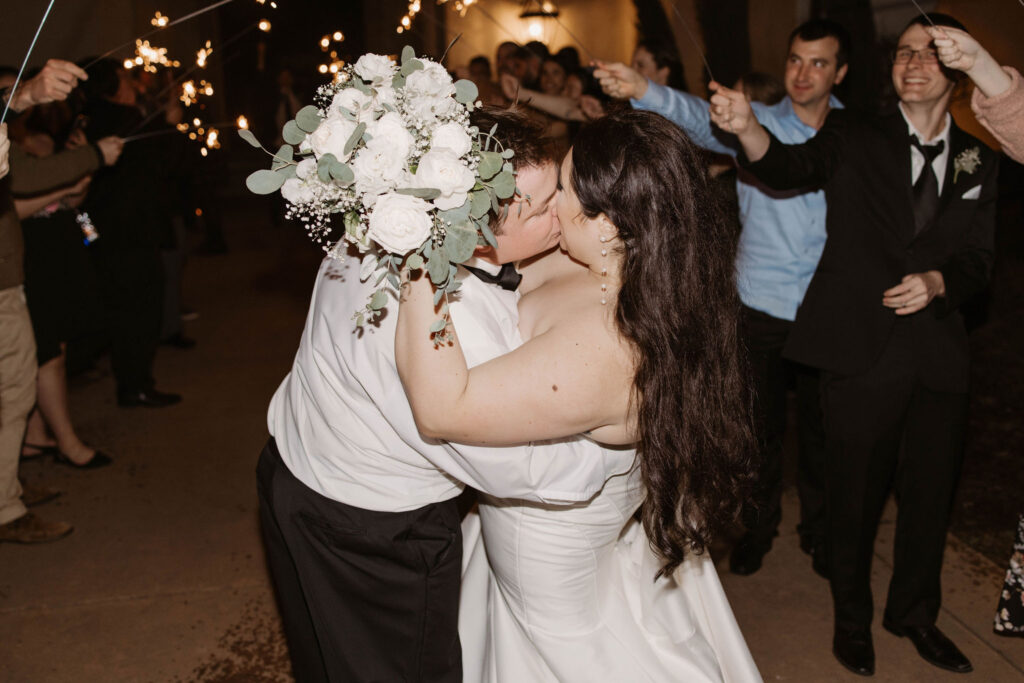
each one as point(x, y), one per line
point(131, 283)
point(365, 596)
point(764, 337)
point(885, 428)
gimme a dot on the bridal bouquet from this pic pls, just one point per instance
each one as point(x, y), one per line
point(388, 152)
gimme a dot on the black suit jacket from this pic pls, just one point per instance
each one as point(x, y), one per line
point(863, 163)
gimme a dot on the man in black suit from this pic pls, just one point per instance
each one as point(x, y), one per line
point(911, 209)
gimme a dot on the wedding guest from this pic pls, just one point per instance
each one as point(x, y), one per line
point(17, 346)
point(659, 63)
point(553, 76)
point(128, 203)
point(534, 53)
point(480, 74)
point(998, 99)
point(63, 302)
point(911, 218)
point(782, 237)
point(998, 103)
point(503, 57)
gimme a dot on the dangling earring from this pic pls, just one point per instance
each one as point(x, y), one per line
point(604, 270)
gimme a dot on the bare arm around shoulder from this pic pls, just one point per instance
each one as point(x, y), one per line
point(573, 377)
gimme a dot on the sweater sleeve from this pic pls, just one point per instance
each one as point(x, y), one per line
point(1003, 115)
point(34, 175)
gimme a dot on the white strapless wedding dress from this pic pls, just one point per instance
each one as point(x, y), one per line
point(566, 594)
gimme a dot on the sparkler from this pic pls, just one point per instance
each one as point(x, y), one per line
point(693, 38)
point(159, 20)
point(149, 57)
point(924, 14)
point(334, 66)
point(203, 54)
point(17, 80)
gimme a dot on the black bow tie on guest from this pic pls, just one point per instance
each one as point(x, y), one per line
point(926, 189)
point(506, 278)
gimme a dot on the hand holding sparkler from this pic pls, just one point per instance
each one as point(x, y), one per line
point(53, 84)
point(731, 111)
point(620, 81)
point(5, 150)
point(110, 148)
point(959, 50)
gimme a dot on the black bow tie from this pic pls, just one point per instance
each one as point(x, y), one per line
point(506, 278)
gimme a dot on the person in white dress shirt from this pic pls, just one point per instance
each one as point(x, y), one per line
point(358, 510)
point(631, 341)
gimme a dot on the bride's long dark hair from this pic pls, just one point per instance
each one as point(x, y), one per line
point(679, 307)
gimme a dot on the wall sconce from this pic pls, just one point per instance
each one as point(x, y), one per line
point(535, 14)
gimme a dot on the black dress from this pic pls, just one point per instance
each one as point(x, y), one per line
point(60, 283)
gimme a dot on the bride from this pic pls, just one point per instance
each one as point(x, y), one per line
point(631, 339)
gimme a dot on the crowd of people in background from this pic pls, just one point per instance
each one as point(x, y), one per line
point(91, 260)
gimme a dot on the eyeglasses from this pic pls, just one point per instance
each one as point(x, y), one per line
point(927, 55)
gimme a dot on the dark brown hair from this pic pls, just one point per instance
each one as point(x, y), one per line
point(679, 306)
point(519, 132)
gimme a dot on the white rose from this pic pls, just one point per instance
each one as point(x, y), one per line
point(306, 169)
point(352, 99)
point(297, 191)
point(378, 167)
point(391, 128)
point(330, 137)
point(429, 91)
point(400, 223)
point(375, 68)
point(440, 168)
point(452, 136)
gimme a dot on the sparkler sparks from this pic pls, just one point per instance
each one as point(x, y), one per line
point(190, 92)
point(264, 25)
point(159, 20)
point(242, 123)
point(203, 54)
point(149, 57)
point(333, 66)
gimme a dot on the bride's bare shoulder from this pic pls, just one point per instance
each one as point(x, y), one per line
point(546, 267)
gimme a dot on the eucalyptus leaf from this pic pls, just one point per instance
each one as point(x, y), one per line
point(411, 66)
point(288, 171)
point(460, 242)
point(437, 266)
point(379, 300)
point(292, 134)
point(438, 295)
point(480, 203)
point(308, 118)
point(490, 164)
point(457, 215)
point(348, 115)
point(358, 84)
point(264, 182)
point(398, 82)
point(507, 153)
point(248, 136)
point(428, 193)
point(485, 230)
point(504, 185)
point(351, 223)
point(495, 204)
point(283, 157)
point(353, 139)
point(508, 167)
point(465, 91)
point(323, 167)
point(408, 53)
point(438, 325)
point(342, 172)
point(415, 262)
point(394, 281)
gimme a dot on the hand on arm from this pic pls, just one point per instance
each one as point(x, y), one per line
point(731, 111)
point(32, 205)
point(53, 84)
point(619, 81)
point(959, 50)
point(914, 292)
point(110, 148)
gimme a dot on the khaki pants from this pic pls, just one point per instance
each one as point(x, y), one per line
point(17, 395)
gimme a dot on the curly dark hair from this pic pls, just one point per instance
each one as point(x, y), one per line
point(518, 131)
point(679, 307)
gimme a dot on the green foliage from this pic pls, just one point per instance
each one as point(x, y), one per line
point(248, 136)
point(308, 118)
point(283, 158)
point(466, 91)
point(504, 185)
point(264, 182)
point(490, 164)
point(292, 134)
point(354, 139)
point(460, 242)
point(428, 193)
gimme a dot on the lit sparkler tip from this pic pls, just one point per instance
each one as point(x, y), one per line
point(242, 123)
point(338, 36)
point(264, 25)
point(159, 20)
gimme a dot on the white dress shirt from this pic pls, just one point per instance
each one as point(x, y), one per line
point(917, 158)
point(344, 427)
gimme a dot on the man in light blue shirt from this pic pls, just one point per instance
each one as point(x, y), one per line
point(774, 265)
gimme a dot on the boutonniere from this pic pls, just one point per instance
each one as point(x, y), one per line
point(967, 161)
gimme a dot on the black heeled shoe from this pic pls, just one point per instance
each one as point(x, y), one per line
point(99, 459)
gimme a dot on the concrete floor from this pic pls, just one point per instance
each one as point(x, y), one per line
point(164, 580)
